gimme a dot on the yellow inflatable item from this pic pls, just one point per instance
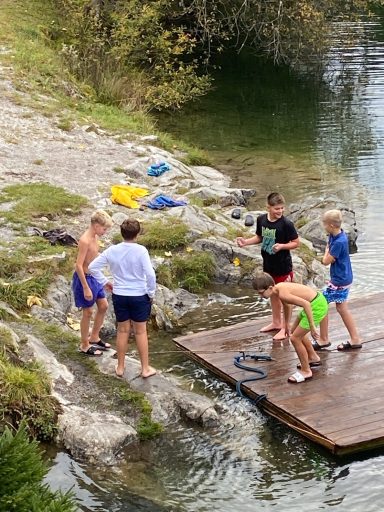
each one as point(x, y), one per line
point(127, 195)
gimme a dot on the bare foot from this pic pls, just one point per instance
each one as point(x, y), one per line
point(280, 335)
point(148, 372)
point(270, 327)
point(119, 371)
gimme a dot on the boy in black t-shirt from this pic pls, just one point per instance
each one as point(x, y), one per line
point(278, 237)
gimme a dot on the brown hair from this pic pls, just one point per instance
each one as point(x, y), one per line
point(129, 229)
point(275, 198)
point(333, 217)
point(102, 218)
point(262, 281)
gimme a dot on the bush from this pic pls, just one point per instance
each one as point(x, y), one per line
point(192, 271)
point(168, 234)
point(21, 472)
point(25, 397)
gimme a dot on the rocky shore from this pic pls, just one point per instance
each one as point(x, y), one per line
point(88, 161)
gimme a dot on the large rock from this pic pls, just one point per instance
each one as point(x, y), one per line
point(307, 216)
point(169, 401)
point(92, 436)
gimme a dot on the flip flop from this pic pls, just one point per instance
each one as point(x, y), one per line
point(313, 364)
point(91, 351)
point(318, 347)
point(297, 378)
point(348, 346)
point(102, 345)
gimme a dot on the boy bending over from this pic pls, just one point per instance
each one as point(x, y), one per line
point(315, 309)
point(86, 290)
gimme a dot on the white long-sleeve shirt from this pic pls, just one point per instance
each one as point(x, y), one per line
point(131, 269)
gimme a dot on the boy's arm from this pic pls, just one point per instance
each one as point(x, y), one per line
point(289, 246)
point(96, 266)
point(79, 267)
point(242, 242)
point(328, 259)
point(149, 274)
point(287, 308)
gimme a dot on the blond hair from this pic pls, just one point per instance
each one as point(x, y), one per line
point(102, 218)
point(333, 217)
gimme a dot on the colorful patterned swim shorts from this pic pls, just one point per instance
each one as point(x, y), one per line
point(336, 294)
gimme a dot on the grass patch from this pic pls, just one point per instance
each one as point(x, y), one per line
point(301, 222)
point(307, 254)
point(39, 161)
point(234, 231)
point(25, 397)
point(39, 200)
point(192, 271)
point(164, 234)
point(119, 169)
point(40, 70)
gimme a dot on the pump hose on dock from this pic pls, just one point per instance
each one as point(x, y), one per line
point(262, 374)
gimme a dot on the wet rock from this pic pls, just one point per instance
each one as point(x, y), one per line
point(169, 401)
point(308, 217)
point(170, 305)
point(92, 436)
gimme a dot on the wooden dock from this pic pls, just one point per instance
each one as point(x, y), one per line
point(340, 408)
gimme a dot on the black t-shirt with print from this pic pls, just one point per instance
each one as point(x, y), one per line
point(281, 231)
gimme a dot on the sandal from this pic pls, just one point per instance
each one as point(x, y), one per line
point(316, 346)
point(92, 351)
point(102, 345)
point(298, 377)
point(313, 364)
point(348, 346)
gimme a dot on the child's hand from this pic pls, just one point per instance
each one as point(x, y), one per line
point(315, 335)
point(109, 287)
point(88, 295)
point(241, 242)
point(277, 247)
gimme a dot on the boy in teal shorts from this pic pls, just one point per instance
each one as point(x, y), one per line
point(315, 309)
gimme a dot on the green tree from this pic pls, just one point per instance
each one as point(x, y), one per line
point(21, 472)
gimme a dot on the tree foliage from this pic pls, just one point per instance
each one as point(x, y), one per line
point(21, 472)
point(158, 53)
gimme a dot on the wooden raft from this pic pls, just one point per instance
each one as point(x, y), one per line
point(340, 408)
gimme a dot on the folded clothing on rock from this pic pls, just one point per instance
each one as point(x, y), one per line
point(160, 202)
point(127, 195)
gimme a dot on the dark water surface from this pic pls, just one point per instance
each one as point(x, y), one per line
point(270, 131)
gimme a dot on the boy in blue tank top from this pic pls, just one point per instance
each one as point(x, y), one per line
point(337, 255)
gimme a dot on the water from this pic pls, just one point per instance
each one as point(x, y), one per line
point(270, 131)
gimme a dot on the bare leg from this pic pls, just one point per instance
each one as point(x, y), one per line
point(140, 329)
point(122, 345)
point(324, 331)
point(85, 321)
point(102, 307)
point(312, 354)
point(349, 322)
point(276, 315)
point(301, 347)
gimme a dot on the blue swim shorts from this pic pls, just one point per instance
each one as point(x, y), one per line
point(78, 292)
point(336, 294)
point(128, 307)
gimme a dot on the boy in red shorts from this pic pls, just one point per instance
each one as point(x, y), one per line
point(278, 237)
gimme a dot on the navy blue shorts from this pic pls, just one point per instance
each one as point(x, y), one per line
point(128, 307)
point(97, 290)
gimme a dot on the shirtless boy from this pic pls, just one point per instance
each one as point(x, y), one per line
point(315, 309)
point(87, 291)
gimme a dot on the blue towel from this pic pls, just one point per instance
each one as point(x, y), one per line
point(160, 202)
point(158, 169)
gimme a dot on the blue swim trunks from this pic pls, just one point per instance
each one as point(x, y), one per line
point(129, 307)
point(336, 294)
point(78, 292)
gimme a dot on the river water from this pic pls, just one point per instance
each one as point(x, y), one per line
point(271, 131)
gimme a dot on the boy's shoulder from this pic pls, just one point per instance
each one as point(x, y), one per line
point(86, 237)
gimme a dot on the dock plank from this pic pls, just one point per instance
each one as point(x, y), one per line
point(341, 408)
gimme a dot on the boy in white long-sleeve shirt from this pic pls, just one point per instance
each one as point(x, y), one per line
point(134, 286)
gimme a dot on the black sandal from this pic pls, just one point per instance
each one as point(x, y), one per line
point(102, 345)
point(91, 351)
point(318, 347)
point(348, 346)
